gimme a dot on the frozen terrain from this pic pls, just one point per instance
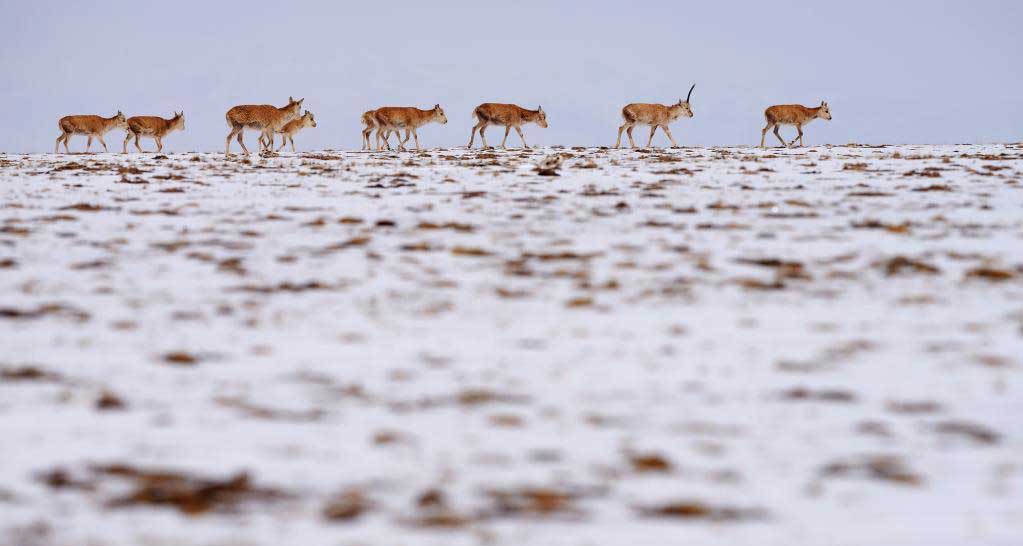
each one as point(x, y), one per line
point(718, 346)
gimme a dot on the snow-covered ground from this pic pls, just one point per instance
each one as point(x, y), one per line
point(715, 346)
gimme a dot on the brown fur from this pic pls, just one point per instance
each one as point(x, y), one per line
point(368, 124)
point(508, 116)
point(290, 128)
point(93, 126)
point(792, 114)
point(654, 115)
point(396, 118)
point(152, 126)
point(265, 117)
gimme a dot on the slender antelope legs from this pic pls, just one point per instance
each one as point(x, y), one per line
point(234, 131)
point(618, 144)
point(384, 136)
point(159, 144)
point(483, 136)
point(504, 143)
point(763, 134)
point(88, 144)
point(799, 138)
point(777, 134)
point(365, 138)
point(667, 131)
point(521, 137)
point(478, 127)
point(101, 141)
point(242, 142)
point(653, 128)
point(62, 138)
point(415, 134)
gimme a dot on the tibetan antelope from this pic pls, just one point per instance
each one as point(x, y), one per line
point(289, 130)
point(93, 126)
point(508, 116)
point(369, 122)
point(654, 115)
point(792, 114)
point(395, 118)
point(152, 126)
point(264, 117)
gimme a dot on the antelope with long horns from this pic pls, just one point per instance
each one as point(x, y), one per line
point(264, 117)
point(792, 114)
point(508, 116)
point(654, 115)
point(152, 126)
point(395, 118)
point(93, 126)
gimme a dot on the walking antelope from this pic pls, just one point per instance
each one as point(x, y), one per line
point(654, 115)
point(152, 126)
point(93, 126)
point(792, 114)
point(508, 116)
point(396, 118)
point(289, 130)
point(369, 122)
point(265, 117)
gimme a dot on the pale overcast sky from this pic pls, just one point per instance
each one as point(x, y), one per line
point(908, 71)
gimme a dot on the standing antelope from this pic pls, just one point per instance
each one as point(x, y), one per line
point(265, 117)
point(792, 114)
point(290, 128)
point(396, 118)
point(94, 126)
point(508, 116)
point(369, 122)
point(152, 126)
point(654, 115)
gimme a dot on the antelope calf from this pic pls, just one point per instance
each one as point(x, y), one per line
point(654, 115)
point(792, 114)
point(396, 118)
point(369, 122)
point(507, 116)
point(290, 128)
point(152, 126)
point(265, 117)
point(93, 126)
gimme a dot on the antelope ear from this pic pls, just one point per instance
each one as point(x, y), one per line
point(291, 99)
point(436, 106)
point(300, 101)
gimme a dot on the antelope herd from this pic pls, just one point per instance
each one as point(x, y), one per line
point(289, 119)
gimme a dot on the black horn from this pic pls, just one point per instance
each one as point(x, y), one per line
point(690, 92)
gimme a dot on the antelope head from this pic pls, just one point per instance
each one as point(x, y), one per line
point(682, 107)
point(438, 114)
point(294, 107)
point(178, 121)
point(824, 112)
point(541, 117)
point(309, 119)
point(120, 121)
